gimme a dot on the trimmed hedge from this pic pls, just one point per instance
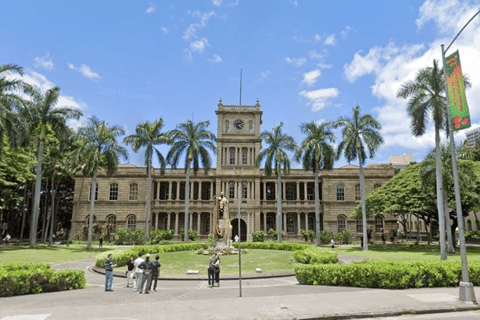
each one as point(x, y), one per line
point(121, 256)
point(287, 246)
point(16, 279)
point(388, 274)
point(313, 255)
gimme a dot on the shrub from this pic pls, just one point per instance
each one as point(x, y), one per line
point(258, 236)
point(325, 236)
point(155, 237)
point(287, 246)
point(275, 234)
point(308, 235)
point(388, 274)
point(192, 234)
point(313, 255)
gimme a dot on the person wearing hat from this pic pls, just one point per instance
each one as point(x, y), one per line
point(147, 267)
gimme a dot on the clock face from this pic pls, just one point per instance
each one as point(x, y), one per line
point(238, 125)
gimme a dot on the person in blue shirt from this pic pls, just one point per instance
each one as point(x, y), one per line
point(109, 272)
point(155, 273)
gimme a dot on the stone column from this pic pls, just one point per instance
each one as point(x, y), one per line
point(190, 221)
point(178, 190)
point(200, 190)
point(275, 191)
point(211, 224)
point(298, 223)
point(248, 190)
point(156, 220)
point(235, 187)
point(285, 222)
point(305, 191)
point(265, 223)
point(298, 191)
point(306, 221)
point(264, 190)
point(169, 190)
point(176, 223)
point(211, 190)
point(168, 220)
point(199, 216)
point(284, 191)
point(191, 190)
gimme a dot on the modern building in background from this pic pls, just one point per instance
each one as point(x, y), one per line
point(473, 136)
point(120, 199)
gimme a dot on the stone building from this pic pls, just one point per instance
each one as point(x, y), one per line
point(121, 201)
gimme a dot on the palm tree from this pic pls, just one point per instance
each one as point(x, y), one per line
point(43, 115)
point(359, 133)
point(101, 150)
point(147, 136)
point(316, 154)
point(279, 143)
point(426, 96)
point(192, 140)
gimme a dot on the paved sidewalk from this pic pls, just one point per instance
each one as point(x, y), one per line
point(276, 298)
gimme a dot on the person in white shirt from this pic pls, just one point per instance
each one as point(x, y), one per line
point(236, 238)
point(7, 239)
point(332, 243)
point(138, 273)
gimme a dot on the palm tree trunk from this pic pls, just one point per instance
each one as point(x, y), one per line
point(448, 226)
point(92, 204)
point(317, 210)
point(78, 205)
point(279, 207)
point(187, 202)
point(362, 195)
point(148, 201)
point(24, 212)
point(441, 216)
point(36, 201)
point(45, 213)
point(52, 214)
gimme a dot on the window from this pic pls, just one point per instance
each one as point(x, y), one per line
point(227, 126)
point(270, 223)
point(112, 221)
point(310, 193)
point(244, 155)
point(165, 223)
point(232, 156)
point(342, 223)
point(379, 224)
point(359, 226)
point(90, 192)
point(133, 195)
point(250, 126)
point(376, 186)
point(290, 225)
point(311, 222)
point(113, 192)
point(270, 193)
point(87, 219)
point(290, 193)
point(244, 191)
point(207, 225)
point(131, 222)
point(231, 191)
point(357, 192)
point(340, 192)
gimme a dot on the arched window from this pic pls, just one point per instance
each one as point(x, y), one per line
point(290, 193)
point(165, 223)
point(379, 224)
point(231, 191)
point(270, 223)
point(342, 223)
point(244, 191)
point(131, 222)
point(90, 192)
point(357, 193)
point(469, 224)
point(359, 226)
point(112, 221)
point(376, 186)
point(207, 224)
point(232, 156)
point(250, 126)
point(227, 126)
point(87, 219)
point(340, 192)
point(113, 192)
point(290, 225)
point(244, 155)
point(133, 194)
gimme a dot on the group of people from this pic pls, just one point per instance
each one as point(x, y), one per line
point(214, 270)
point(144, 271)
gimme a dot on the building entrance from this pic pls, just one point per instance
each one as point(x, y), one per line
point(243, 229)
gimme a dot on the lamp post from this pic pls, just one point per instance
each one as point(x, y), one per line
point(466, 287)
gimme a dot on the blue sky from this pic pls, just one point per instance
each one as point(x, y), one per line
point(130, 61)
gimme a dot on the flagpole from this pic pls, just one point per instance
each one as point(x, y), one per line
point(239, 224)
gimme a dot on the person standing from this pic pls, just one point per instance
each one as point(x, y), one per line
point(211, 270)
point(101, 242)
point(155, 273)
point(7, 239)
point(138, 272)
point(147, 267)
point(217, 270)
point(332, 243)
point(109, 272)
point(129, 271)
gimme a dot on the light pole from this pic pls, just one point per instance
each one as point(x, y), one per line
point(466, 287)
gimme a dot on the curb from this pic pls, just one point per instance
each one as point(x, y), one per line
point(364, 315)
point(121, 274)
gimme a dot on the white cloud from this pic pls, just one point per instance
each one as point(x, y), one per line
point(309, 78)
point(317, 37)
point(314, 55)
point(331, 40)
point(164, 30)
point(43, 62)
point(345, 31)
point(318, 99)
point(234, 4)
point(85, 71)
point(197, 46)
point(294, 3)
point(296, 61)
point(191, 31)
point(300, 39)
point(217, 3)
point(150, 9)
point(216, 58)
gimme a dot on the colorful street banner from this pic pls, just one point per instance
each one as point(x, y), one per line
point(456, 93)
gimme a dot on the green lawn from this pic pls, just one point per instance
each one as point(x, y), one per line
point(45, 254)
point(267, 260)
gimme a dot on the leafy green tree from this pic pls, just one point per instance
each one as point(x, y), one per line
point(101, 150)
point(148, 136)
point(44, 115)
point(191, 140)
point(359, 135)
point(316, 154)
point(278, 145)
point(426, 97)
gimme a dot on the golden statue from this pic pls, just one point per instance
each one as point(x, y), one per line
point(221, 220)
